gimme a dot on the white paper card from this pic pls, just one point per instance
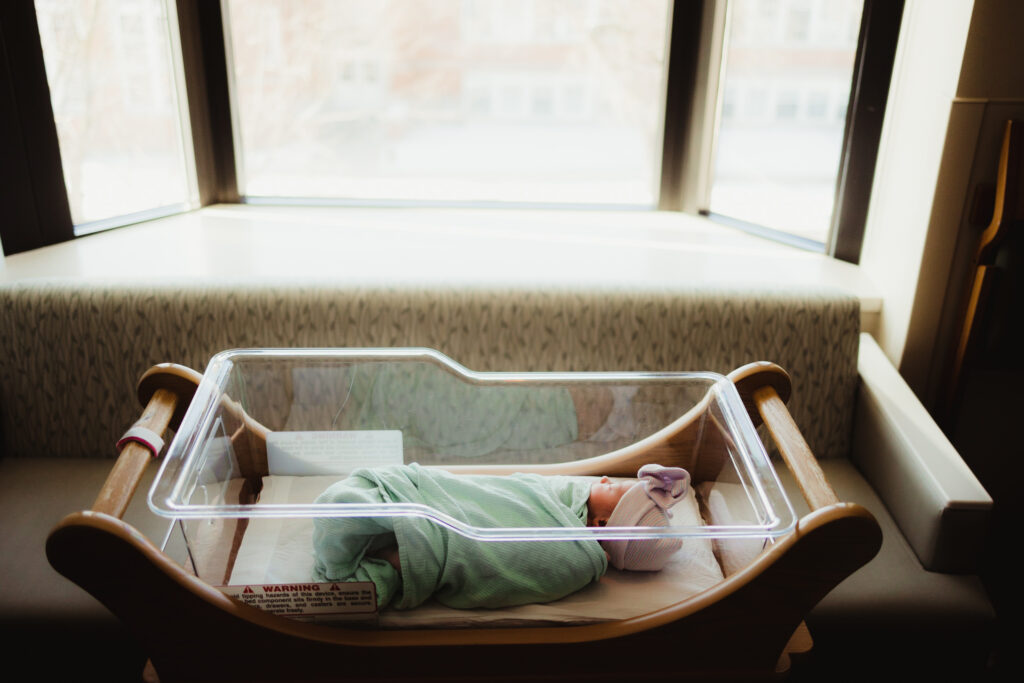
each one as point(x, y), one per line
point(332, 452)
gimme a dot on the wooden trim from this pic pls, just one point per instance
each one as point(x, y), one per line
point(36, 209)
point(1008, 209)
point(1007, 215)
point(872, 74)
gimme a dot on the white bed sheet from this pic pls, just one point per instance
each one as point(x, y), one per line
point(279, 550)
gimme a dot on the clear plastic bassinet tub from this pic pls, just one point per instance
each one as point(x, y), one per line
point(246, 482)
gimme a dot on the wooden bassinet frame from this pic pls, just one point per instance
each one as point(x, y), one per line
point(744, 626)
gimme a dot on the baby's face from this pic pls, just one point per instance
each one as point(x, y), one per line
point(604, 496)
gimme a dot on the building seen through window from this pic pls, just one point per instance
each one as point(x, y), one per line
point(787, 71)
point(111, 66)
point(453, 102)
point(538, 101)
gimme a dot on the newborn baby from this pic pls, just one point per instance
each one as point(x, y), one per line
point(411, 559)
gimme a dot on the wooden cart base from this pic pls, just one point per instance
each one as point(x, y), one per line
point(745, 627)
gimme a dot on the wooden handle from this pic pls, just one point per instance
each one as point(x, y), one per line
point(124, 478)
point(177, 379)
point(752, 377)
point(795, 451)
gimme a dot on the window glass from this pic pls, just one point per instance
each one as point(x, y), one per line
point(536, 101)
point(788, 67)
point(112, 71)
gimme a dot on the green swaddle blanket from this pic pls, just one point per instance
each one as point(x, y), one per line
point(440, 563)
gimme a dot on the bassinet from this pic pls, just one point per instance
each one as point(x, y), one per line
point(744, 625)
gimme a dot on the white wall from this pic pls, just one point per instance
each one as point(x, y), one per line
point(924, 83)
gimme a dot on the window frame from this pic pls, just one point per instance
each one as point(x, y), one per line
point(869, 93)
point(37, 210)
point(39, 214)
point(865, 112)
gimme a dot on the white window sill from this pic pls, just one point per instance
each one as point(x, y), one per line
point(442, 247)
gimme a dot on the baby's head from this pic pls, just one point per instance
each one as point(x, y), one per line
point(644, 502)
point(604, 497)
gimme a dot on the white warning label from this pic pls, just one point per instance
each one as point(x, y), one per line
point(310, 601)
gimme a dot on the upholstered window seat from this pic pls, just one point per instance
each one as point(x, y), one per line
point(72, 348)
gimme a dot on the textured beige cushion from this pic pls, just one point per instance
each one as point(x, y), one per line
point(893, 589)
point(38, 605)
point(77, 350)
point(36, 494)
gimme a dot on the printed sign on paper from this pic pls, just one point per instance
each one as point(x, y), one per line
point(332, 452)
point(310, 601)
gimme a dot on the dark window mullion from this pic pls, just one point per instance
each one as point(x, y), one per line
point(684, 49)
point(36, 209)
point(876, 51)
point(206, 83)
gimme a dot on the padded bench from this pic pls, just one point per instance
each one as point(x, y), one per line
point(70, 354)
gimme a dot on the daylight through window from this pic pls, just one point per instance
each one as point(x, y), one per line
point(788, 66)
point(537, 101)
point(111, 69)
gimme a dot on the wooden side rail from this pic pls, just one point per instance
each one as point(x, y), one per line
point(166, 391)
point(131, 464)
point(794, 450)
point(764, 388)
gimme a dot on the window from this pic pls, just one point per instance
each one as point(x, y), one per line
point(586, 103)
point(465, 101)
point(114, 90)
point(776, 165)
